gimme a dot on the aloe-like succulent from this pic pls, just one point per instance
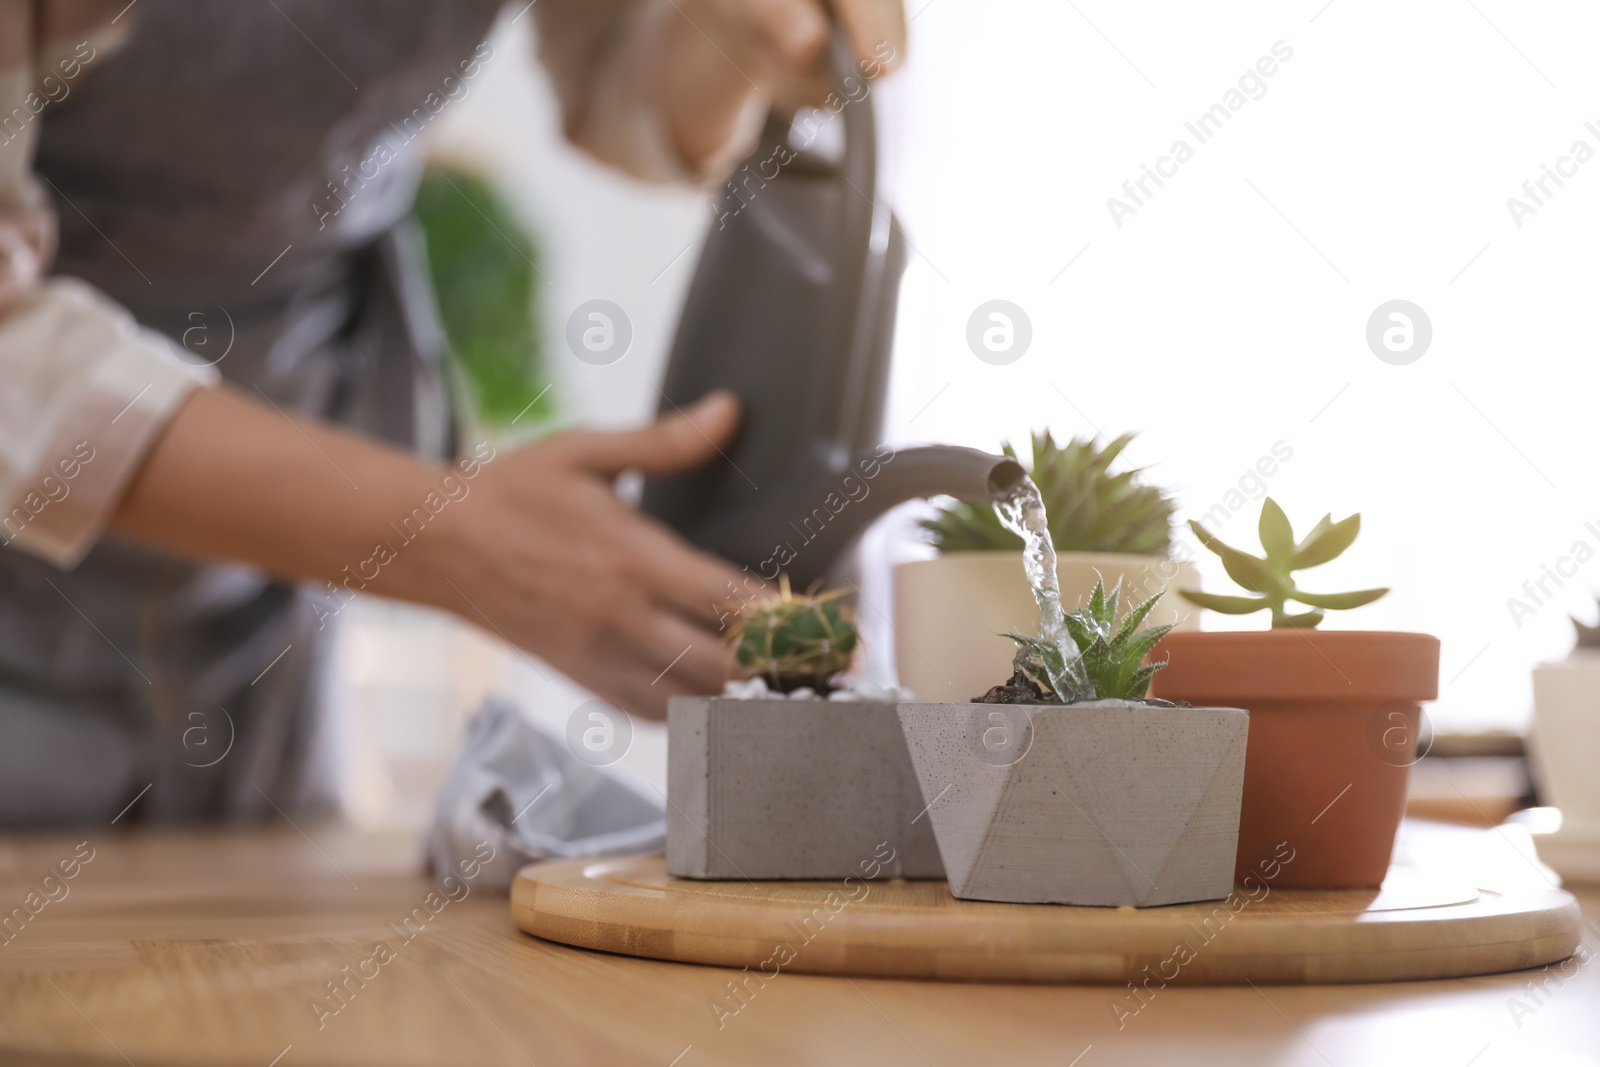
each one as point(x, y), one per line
point(1270, 577)
point(796, 641)
point(1090, 509)
point(1110, 662)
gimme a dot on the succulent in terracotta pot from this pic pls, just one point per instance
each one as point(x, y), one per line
point(1103, 523)
point(790, 774)
point(1334, 715)
point(1083, 792)
point(1270, 576)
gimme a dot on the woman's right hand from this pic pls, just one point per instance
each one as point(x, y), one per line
point(543, 552)
point(535, 546)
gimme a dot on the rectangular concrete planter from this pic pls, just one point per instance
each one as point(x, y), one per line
point(1109, 803)
point(778, 789)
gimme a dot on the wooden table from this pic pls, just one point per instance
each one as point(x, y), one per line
point(211, 948)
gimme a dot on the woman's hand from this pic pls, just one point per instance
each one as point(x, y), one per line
point(533, 544)
point(544, 552)
point(782, 45)
point(714, 56)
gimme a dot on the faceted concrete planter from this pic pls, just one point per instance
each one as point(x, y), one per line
point(773, 788)
point(1110, 802)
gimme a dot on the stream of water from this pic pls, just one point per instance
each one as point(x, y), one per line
point(1021, 510)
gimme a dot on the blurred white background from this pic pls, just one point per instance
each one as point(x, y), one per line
point(1227, 314)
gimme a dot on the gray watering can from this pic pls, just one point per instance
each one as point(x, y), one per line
point(792, 308)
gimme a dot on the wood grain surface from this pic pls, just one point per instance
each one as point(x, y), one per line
point(212, 948)
point(1418, 926)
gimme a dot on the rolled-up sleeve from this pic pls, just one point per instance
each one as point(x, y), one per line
point(87, 392)
point(84, 390)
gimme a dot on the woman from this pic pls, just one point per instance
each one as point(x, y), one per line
point(243, 170)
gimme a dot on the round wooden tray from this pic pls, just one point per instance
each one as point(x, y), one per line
point(1416, 926)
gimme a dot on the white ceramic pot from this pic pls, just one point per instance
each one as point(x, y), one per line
point(949, 610)
point(1109, 802)
point(1566, 736)
point(779, 789)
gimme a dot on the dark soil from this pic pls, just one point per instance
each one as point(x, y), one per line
point(1024, 690)
point(817, 683)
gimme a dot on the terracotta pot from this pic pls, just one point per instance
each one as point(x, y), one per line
point(1334, 718)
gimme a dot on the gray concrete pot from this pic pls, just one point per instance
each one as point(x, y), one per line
point(779, 789)
point(1110, 802)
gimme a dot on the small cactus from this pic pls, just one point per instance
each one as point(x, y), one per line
point(796, 641)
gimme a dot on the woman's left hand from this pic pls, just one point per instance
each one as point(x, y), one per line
point(717, 55)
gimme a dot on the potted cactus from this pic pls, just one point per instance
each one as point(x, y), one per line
point(1104, 525)
point(1566, 734)
point(791, 774)
point(1066, 785)
point(796, 644)
point(1334, 715)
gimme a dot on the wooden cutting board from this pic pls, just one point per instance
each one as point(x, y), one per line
point(1417, 926)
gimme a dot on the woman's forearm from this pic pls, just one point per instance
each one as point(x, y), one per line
point(533, 544)
point(232, 478)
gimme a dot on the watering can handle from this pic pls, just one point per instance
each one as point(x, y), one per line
point(860, 162)
point(848, 101)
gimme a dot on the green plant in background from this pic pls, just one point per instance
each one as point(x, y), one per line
point(793, 641)
point(482, 263)
point(1111, 657)
point(1090, 508)
point(1270, 577)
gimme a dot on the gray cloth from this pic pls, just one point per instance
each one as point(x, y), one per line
point(526, 794)
point(191, 170)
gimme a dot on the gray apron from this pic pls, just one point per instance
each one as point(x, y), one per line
point(185, 164)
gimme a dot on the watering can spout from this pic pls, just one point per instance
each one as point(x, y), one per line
point(948, 470)
point(801, 529)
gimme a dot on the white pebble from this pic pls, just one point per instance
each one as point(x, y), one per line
point(749, 689)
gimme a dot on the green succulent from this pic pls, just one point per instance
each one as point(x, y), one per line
point(1270, 576)
point(1110, 656)
point(793, 641)
point(1090, 509)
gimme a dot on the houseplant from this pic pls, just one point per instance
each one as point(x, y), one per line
point(1066, 786)
point(1104, 525)
point(1334, 716)
point(1566, 734)
point(787, 776)
point(482, 261)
